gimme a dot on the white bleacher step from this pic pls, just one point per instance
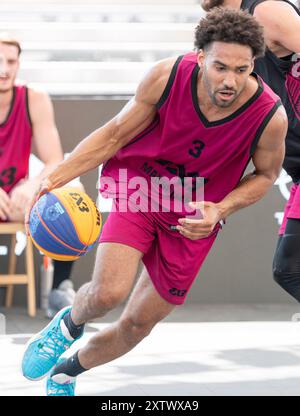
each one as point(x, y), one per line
point(88, 89)
point(99, 12)
point(66, 72)
point(105, 2)
point(100, 32)
point(93, 51)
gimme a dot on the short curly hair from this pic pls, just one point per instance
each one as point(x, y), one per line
point(231, 26)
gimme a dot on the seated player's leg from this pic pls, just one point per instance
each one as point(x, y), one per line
point(62, 293)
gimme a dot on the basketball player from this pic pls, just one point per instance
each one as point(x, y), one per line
point(202, 114)
point(280, 69)
point(26, 115)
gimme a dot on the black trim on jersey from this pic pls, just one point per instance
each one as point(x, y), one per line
point(10, 108)
point(104, 165)
point(168, 87)
point(146, 131)
point(27, 106)
point(244, 170)
point(240, 110)
point(263, 125)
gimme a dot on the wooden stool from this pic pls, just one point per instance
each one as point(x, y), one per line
point(12, 278)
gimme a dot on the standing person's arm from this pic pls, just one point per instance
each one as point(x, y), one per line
point(281, 24)
point(279, 19)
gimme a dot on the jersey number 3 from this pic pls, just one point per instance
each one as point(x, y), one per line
point(198, 147)
point(7, 176)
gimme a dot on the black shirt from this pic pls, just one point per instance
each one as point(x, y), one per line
point(283, 76)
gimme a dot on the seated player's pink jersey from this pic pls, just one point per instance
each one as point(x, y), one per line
point(15, 140)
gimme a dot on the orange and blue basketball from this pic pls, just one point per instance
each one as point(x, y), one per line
point(65, 224)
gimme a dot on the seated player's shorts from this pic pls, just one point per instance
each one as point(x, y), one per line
point(171, 259)
point(292, 208)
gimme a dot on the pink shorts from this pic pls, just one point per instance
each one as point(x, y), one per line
point(292, 208)
point(171, 259)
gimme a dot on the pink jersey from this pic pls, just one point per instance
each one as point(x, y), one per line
point(182, 142)
point(15, 141)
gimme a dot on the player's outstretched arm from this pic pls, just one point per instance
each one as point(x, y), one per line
point(104, 142)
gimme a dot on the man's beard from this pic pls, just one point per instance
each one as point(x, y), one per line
point(213, 94)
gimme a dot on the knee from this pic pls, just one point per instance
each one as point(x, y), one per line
point(286, 262)
point(281, 268)
point(106, 300)
point(278, 275)
point(135, 329)
point(286, 275)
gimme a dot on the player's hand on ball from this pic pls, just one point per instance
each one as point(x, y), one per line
point(195, 229)
point(44, 187)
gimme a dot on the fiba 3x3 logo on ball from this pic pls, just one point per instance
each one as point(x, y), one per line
point(65, 224)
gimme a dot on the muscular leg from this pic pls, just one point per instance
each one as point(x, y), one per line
point(113, 277)
point(286, 264)
point(144, 309)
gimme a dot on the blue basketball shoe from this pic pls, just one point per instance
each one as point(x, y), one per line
point(44, 349)
point(60, 384)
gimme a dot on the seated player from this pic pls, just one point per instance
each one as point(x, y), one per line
point(27, 118)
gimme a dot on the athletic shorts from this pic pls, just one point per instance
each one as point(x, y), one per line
point(172, 260)
point(292, 208)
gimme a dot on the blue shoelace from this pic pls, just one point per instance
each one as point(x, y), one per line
point(53, 344)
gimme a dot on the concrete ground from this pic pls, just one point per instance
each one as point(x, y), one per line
point(200, 350)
